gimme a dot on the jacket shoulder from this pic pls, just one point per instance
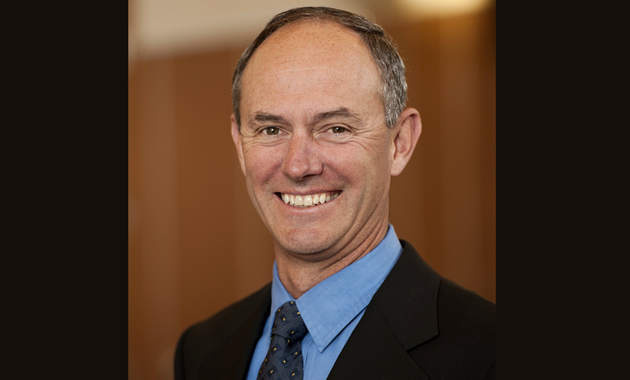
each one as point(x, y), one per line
point(461, 343)
point(223, 323)
point(465, 345)
point(204, 339)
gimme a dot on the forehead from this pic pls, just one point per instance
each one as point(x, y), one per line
point(307, 61)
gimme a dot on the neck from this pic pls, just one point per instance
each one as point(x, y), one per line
point(298, 275)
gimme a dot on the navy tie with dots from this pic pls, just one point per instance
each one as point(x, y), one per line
point(284, 358)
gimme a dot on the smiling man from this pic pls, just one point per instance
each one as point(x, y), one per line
point(320, 127)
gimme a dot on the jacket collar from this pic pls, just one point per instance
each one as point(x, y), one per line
point(401, 316)
point(412, 315)
point(243, 337)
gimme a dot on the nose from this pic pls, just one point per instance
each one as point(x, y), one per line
point(301, 159)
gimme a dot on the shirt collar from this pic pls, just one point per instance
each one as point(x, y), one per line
point(331, 305)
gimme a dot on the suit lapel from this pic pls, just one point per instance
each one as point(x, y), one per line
point(401, 316)
point(238, 348)
point(374, 352)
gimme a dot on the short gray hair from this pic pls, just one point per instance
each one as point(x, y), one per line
point(393, 90)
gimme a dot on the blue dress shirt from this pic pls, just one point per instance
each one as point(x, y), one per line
point(331, 309)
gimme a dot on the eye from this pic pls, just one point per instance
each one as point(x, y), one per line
point(271, 131)
point(338, 130)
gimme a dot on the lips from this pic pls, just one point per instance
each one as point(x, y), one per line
point(309, 200)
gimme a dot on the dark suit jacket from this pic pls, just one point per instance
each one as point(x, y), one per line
point(418, 325)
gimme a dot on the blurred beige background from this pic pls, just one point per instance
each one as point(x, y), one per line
point(196, 243)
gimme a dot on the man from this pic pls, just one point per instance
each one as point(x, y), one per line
point(320, 127)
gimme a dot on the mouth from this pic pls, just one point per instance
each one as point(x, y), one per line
point(310, 200)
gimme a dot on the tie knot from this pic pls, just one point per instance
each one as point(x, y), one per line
point(288, 322)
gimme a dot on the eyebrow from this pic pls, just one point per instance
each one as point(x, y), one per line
point(262, 117)
point(341, 112)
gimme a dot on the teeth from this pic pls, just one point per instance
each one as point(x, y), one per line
point(307, 200)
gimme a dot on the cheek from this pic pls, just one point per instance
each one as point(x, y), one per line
point(261, 163)
point(361, 162)
point(354, 167)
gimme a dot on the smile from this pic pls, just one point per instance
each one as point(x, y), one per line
point(307, 200)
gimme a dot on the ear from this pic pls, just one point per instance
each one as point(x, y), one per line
point(236, 137)
point(405, 137)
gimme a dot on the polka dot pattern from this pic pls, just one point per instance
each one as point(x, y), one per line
point(284, 358)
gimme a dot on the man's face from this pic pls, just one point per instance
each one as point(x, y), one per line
point(312, 123)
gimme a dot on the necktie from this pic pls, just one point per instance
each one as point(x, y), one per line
point(284, 358)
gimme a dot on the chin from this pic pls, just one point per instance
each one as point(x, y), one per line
point(304, 244)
